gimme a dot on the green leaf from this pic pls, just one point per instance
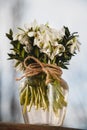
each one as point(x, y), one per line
point(18, 46)
point(15, 50)
point(21, 29)
point(71, 37)
point(67, 32)
point(17, 64)
point(15, 56)
point(23, 53)
point(54, 60)
point(36, 52)
point(9, 36)
point(11, 32)
point(61, 64)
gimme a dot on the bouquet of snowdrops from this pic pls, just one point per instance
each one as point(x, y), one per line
point(41, 52)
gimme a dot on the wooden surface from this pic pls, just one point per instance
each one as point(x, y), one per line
point(9, 126)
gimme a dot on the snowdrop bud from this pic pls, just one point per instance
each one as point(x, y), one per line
point(61, 48)
point(20, 37)
point(26, 42)
point(75, 45)
point(31, 34)
point(15, 38)
point(58, 50)
point(63, 31)
point(55, 43)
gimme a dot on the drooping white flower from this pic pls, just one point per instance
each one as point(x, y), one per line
point(41, 40)
point(31, 34)
point(61, 33)
point(28, 48)
point(58, 50)
point(47, 39)
point(23, 38)
point(58, 34)
point(20, 37)
point(75, 45)
point(33, 26)
point(46, 51)
point(54, 43)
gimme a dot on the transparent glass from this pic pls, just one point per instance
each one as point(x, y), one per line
point(47, 117)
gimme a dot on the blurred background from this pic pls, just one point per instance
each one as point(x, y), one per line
point(71, 13)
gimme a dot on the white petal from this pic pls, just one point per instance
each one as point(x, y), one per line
point(31, 34)
point(26, 42)
point(20, 37)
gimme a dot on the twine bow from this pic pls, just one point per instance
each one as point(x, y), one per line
point(35, 68)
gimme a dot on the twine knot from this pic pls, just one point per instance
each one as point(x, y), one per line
point(32, 69)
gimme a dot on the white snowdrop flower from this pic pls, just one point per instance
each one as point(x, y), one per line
point(52, 34)
point(75, 45)
point(28, 48)
point(46, 45)
point(33, 25)
point(54, 43)
point(58, 50)
point(61, 48)
point(46, 51)
point(42, 41)
point(20, 37)
point(31, 34)
point(51, 57)
point(15, 37)
point(26, 42)
point(23, 39)
point(46, 37)
point(62, 31)
point(37, 42)
point(43, 28)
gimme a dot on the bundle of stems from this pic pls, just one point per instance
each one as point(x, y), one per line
point(36, 93)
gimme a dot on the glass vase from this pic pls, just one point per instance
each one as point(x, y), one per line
point(43, 104)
